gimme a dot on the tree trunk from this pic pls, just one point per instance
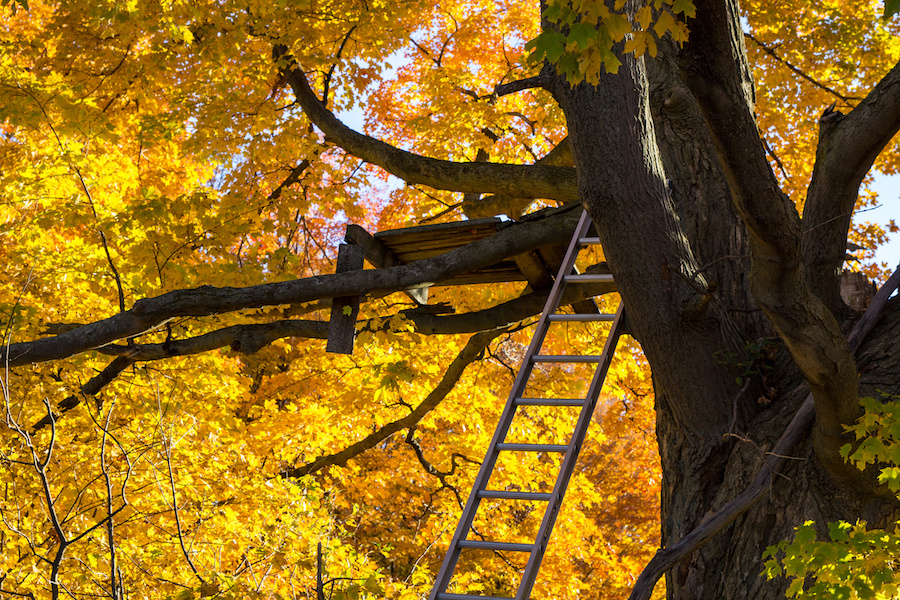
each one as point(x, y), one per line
point(650, 175)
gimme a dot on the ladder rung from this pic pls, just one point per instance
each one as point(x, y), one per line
point(588, 278)
point(532, 447)
point(513, 547)
point(467, 596)
point(566, 358)
point(589, 241)
point(504, 495)
point(549, 401)
point(581, 317)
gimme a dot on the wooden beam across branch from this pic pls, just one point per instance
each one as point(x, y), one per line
point(380, 256)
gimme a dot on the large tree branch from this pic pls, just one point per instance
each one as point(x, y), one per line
point(529, 83)
point(775, 459)
point(520, 181)
point(498, 204)
point(149, 313)
point(248, 339)
point(847, 148)
point(469, 354)
point(623, 183)
point(714, 66)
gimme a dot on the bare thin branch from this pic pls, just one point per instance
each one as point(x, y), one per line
point(90, 199)
point(92, 387)
point(469, 354)
point(294, 176)
point(771, 52)
point(167, 446)
point(110, 523)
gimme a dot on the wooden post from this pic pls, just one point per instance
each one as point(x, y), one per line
point(344, 309)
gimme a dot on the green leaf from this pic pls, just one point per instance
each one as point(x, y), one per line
point(618, 26)
point(549, 45)
point(795, 587)
point(805, 534)
point(373, 586)
point(845, 451)
point(839, 531)
point(584, 35)
point(687, 7)
point(185, 594)
point(891, 475)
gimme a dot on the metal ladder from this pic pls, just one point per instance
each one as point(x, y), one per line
point(570, 451)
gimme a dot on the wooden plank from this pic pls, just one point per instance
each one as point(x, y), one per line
point(438, 238)
point(415, 254)
point(427, 241)
point(376, 252)
point(345, 309)
point(380, 256)
point(435, 246)
point(429, 231)
point(445, 237)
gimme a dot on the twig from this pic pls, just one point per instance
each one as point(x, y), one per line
point(771, 52)
point(320, 573)
point(327, 82)
point(91, 388)
point(294, 176)
point(449, 209)
point(775, 158)
point(167, 446)
point(110, 524)
point(469, 354)
point(90, 198)
point(432, 470)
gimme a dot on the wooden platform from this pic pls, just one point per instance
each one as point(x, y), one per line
point(402, 246)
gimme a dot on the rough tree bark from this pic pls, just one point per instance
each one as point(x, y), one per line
point(671, 166)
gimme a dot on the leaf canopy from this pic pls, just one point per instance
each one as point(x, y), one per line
point(148, 147)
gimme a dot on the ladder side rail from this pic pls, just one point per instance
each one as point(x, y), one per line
point(568, 465)
point(487, 466)
point(448, 566)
